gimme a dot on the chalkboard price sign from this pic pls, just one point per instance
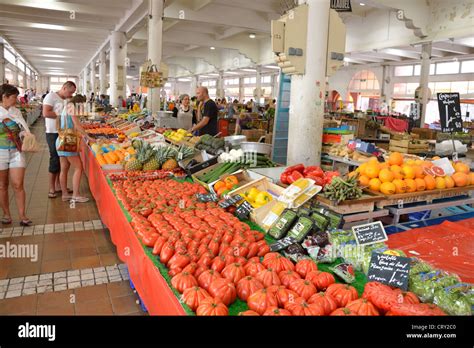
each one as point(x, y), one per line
point(450, 112)
point(230, 201)
point(204, 198)
point(369, 233)
point(243, 210)
point(389, 270)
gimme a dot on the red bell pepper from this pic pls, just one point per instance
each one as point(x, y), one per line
point(313, 171)
point(295, 175)
point(328, 176)
point(284, 178)
point(298, 168)
point(317, 179)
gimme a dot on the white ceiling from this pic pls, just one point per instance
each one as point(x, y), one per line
point(53, 39)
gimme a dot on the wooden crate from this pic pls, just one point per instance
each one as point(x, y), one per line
point(364, 204)
point(406, 146)
point(423, 196)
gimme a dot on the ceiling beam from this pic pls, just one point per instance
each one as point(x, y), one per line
point(401, 53)
point(454, 48)
point(200, 4)
point(367, 58)
point(385, 56)
point(167, 25)
point(229, 33)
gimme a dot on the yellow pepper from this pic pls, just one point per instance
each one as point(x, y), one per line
point(252, 194)
point(263, 198)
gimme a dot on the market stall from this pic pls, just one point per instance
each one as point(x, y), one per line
point(206, 235)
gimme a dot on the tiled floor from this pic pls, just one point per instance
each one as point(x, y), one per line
point(66, 263)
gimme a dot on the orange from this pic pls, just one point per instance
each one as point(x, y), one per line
point(411, 185)
point(418, 172)
point(427, 164)
point(384, 165)
point(388, 188)
point(397, 171)
point(374, 184)
point(460, 179)
point(372, 170)
point(420, 184)
point(430, 182)
point(460, 167)
point(471, 178)
point(385, 175)
point(400, 186)
point(410, 162)
point(449, 182)
point(395, 158)
point(362, 168)
point(373, 160)
point(419, 162)
point(408, 172)
point(364, 180)
point(436, 158)
point(440, 183)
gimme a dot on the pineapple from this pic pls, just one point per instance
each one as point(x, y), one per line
point(165, 153)
point(151, 164)
point(133, 165)
point(170, 164)
point(184, 152)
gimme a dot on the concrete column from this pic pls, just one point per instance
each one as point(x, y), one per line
point(102, 73)
point(155, 48)
point(118, 70)
point(308, 91)
point(25, 78)
point(275, 86)
point(2, 63)
point(15, 73)
point(241, 89)
point(85, 81)
point(259, 85)
point(220, 85)
point(424, 78)
point(92, 76)
point(194, 85)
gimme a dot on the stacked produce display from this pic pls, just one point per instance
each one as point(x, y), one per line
point(304, 263)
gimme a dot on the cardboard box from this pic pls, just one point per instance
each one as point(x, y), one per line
point(204, 165)
point(253, 134)
point(243, 176)
point(263, 184)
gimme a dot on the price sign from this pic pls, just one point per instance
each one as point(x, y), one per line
point(369, 233)
point(204, 198)
point(282, 244)
point(230, 201)
point(243, 211)
point(341, 5)
point(389, 270)
point(450, 112)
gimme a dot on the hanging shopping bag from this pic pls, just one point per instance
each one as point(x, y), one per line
point(151, 78)
point(68, 139)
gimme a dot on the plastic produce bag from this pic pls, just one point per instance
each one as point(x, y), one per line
point(445, 148)
point(456, 299)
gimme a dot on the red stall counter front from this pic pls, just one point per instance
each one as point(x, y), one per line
point(153, 289)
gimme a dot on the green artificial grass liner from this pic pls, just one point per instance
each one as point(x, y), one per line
point(239, 305)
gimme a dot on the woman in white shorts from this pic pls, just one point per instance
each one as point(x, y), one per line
point(12, 160)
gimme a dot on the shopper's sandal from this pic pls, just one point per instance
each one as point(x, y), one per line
point(6, 221)
point(52, 194)
point(26, 222)
point(79, 199)
point(66, 198)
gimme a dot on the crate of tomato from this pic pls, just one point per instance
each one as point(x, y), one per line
point(293, 173)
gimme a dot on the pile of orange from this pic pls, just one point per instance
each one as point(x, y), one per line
point(398, 175)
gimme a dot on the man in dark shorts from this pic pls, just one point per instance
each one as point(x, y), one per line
point(207, 124)
point(53, 105)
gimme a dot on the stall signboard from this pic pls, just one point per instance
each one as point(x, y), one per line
point(243, 211)
point(204, 198)
point(341, 5)
point(390, 270)
point(233, 200)
point(450, 112)
point(369, 233)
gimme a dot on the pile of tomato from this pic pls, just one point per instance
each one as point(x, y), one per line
point(214, 258)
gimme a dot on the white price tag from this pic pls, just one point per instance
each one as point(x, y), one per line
point(455, 156)
point(400, 203)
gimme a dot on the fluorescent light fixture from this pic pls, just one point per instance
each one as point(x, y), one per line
point(213, 74)
point(212, 48)
point(130, 77)
point(272, 67)
point(54, 61)
point(231, 73)
point(362, 4)
point(53, 55)
point(184, 80)
point(52, 49)
point(249, 70)
point(47, 26)
point(252, 36)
